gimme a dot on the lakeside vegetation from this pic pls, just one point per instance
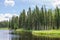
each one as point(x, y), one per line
point(40, 33)
point(47, 33)
point(4, 29)
point(4, 24)
point(39, 22)
point(37, 19)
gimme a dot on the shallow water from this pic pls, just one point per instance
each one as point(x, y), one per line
point(4, 35)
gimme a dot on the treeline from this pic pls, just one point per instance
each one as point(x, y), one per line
point(4, 24)
point(37, 19)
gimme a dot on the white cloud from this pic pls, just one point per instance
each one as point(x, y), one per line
point(56, 3)
point(9, 3)
point(6, 16)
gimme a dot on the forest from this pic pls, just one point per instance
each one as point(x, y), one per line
point(4, 24)
point(36, 19)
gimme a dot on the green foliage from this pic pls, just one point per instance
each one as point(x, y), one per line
point(47, 33)
point(4, 24)
point(37, 19)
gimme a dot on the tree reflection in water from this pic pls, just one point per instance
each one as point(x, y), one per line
point(29, 36)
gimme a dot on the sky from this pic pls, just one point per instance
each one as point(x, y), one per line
point(8, 8)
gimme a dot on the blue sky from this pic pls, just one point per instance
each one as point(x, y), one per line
point(14, 7)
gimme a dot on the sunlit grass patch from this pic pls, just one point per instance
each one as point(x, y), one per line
point(47, 33)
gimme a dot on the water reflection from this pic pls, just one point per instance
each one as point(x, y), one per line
point(15, 37)
point(29, 36)
point(25, 36)
point(34, 38)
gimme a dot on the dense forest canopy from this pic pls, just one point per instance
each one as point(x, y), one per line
point(37, 19)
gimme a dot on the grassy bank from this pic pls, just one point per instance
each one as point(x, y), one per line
point(47, 33)
point(44, 33)
point(3, 28)
point(22, 31)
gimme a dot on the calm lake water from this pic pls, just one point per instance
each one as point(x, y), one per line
point(4, 35)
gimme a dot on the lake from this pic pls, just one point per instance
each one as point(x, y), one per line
point(4, 35)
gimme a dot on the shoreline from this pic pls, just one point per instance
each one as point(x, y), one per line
point(43, 33)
